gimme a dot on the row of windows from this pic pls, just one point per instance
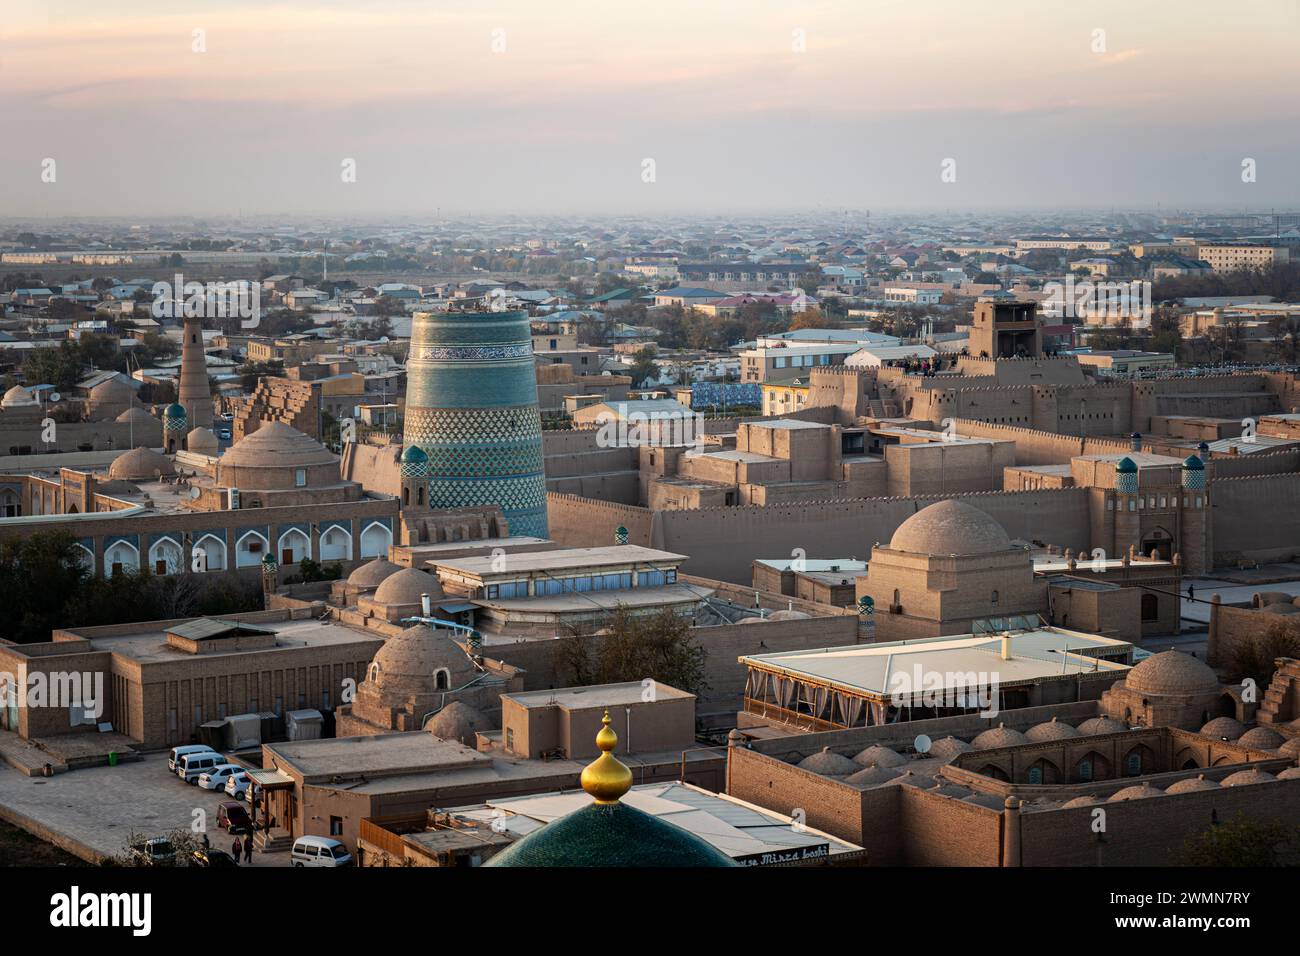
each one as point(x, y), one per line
point(801, 361)
point(1164, 502)
point(545, 587)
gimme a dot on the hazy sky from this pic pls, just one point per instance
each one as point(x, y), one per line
point(576, 94)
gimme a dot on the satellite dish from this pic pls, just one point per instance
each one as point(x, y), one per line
point(195, 492)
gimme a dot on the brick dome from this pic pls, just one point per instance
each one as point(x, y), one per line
point(18, 397)
point(1172, 674)
point(1192, 784)
point(1087, 800)
point(1290, 773)
point(1223, 727)
point(878, 756)
point(409, 663)
point(1246, 778)
point(999, 736)
point(139, 464)
point(1100, 725)
point(1051, 730)
point(270, 458)
point(828, 764)
point(458, 721)
point(949, 748)
point(406, 587)
point(871, 776)
point(950, 527)
point(1261, 738)
point(1135, 793)
point(372, 573)
point(1291, 748)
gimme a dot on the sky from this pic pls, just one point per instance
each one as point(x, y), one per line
point(578, 107)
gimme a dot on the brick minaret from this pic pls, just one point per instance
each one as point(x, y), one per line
point(195, 394)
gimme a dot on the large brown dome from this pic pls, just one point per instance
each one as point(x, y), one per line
point(269, 458)
point(1172, 674)
point(950, 527)
point(409, 663)
point(407, 586)
point(140, 464)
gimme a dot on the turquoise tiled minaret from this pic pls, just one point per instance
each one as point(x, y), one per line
point(471, 406)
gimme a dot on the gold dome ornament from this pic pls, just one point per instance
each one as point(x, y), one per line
point(606, 778)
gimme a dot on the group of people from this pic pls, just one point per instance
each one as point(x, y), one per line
point(238, 846)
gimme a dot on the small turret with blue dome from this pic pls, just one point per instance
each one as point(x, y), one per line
point(415, 462)
point(1193, 473)
point(1126, 476)
point(174, 418)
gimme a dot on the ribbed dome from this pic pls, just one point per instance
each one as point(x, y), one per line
point(828, 764)
point(878, 756)
point(999, 736)
point(372, 573)
point(18, 397)
point(277, 445)
point(406, 586)
point(458, 721)
point(1172, 673)
point(202, 441)
point(871, 776)
point(1135, 793)
point(1051, 730)
point(1261, 738)
point(1246, 778)
point(950, 527)
point(1291, 748)
point(949, 748)
point(1192, 784)
point(409, 662)
point(1223, 727)
point(140, 464)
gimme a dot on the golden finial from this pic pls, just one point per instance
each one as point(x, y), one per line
point(606, 778)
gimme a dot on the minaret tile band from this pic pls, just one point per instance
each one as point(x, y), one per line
point(471, 406)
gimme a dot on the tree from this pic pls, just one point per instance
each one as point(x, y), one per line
point(808, 319)
point(1238, 843)
point(643, 365)
point(632, 647)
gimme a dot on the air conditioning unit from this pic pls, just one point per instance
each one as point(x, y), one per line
point(234, 499)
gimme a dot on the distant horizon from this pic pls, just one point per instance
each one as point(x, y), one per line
point(323, 108)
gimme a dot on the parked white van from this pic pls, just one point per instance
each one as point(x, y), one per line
point(319, 851)
point(174, 758)
point(191, 765)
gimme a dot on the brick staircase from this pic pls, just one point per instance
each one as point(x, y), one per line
point(1281, 703)
point(276, 840)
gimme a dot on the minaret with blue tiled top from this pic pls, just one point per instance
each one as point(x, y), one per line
point(471, 407)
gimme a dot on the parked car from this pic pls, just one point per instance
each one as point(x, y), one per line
point(156, 852)
point(212, 857)
point(223, 434)
point(234, 817)
point(190, 766)
point(216, 777)
point(174, 758)
point(319, 851)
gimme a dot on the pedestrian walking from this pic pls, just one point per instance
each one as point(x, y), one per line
point(1191, 593)
point(248, 848)
point(234, 849)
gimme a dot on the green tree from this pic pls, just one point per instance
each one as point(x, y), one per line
point(632, 647)
point(1239, 843)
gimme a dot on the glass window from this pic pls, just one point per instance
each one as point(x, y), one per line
point(300, 477)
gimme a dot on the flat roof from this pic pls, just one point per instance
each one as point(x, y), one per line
point(877, 670)
point(529, 561)
point(745, 832)
point(149, 645)
point(597, 695)
point(375, 754)
point(600, 600)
